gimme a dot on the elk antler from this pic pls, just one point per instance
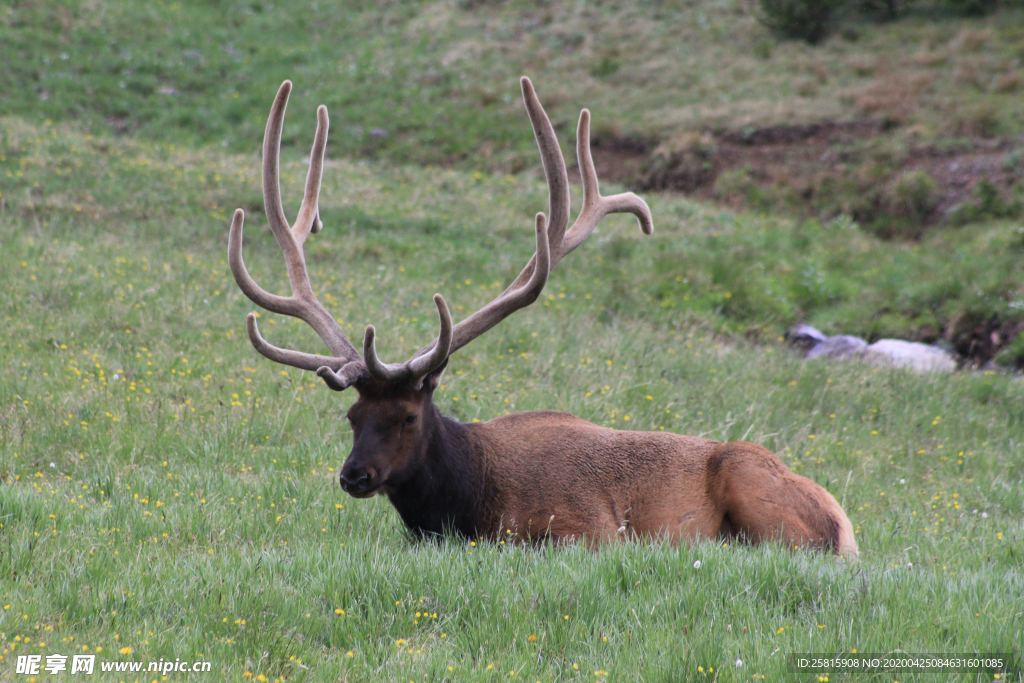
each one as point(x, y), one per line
point(527, 286)
point(553, 240)
point(344, 367)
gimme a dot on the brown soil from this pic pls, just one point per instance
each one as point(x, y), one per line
point(619, 159)
point(805, 163)
point(958, 172)
point(980, 340)
point(775, 153)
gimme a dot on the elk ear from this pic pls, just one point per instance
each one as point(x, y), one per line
point(433, 378)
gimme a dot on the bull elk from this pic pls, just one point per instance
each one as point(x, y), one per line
point(535, 475)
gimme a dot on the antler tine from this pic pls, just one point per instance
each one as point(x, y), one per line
point(596, 206)
point(297, 359)
point(342, 367)
point(308, 219)
point(344, 377)
point(275, 303)
point(260, 296)
point(420, 365)
point(272, 205)
point(553, 162)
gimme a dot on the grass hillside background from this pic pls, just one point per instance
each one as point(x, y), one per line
point(166, 492)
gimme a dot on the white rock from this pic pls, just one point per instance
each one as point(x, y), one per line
point(911, 355)
point(895, 353)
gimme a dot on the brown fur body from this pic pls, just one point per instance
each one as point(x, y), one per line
point(548, 475)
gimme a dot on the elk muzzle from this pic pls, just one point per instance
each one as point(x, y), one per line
point(359, 481)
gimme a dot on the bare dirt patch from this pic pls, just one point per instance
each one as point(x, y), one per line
point(980, 340)
point(959, 172)
point(856, 167)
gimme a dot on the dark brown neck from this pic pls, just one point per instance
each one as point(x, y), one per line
point(448, 490)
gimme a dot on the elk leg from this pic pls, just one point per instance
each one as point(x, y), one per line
point(760, 499)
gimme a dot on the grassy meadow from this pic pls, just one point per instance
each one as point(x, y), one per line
point(165, 492)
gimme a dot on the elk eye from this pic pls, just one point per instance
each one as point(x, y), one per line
point(410, 419)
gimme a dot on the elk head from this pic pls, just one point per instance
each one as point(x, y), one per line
point(394, 419)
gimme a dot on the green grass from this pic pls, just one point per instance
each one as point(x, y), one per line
point(162, 483)
point(195, 71)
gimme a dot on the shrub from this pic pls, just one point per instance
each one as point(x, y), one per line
point(685, 162)
point(971, 7)
point(808, 20)
point(889, 9)
point(981, 120)
point(1012, 355)
point(738, 186)
point(913, 196)
point(985, 203)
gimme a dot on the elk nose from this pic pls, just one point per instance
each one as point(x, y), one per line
point(356, 480)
